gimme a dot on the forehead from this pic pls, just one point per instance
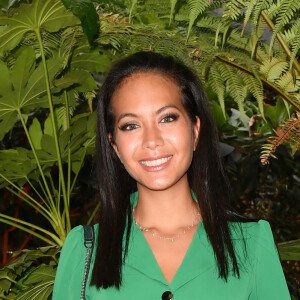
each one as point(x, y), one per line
point(146, 89)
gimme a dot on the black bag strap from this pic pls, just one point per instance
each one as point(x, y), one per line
point(89, 240)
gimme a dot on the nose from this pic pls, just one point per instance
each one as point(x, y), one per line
point(152, 138)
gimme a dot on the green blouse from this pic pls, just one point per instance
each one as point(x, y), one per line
point(197, 277)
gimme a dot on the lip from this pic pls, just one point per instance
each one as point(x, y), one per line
point(158, 167)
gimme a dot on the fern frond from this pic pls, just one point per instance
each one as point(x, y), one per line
point(288, 132)
point(287, 83)
point(273, 9)
point(196, 7)
point(250, 5)
point(258, 7)
point(232, 9)
point(235, 87)
point(295, 45)
point(133, 4)
point(256, 88)
point(216, 82)
point(286, 12)
point(273, 68)
point(173, 4)
point(290, 33)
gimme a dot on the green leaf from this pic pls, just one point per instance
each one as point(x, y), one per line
point(273, 68)
point(41, 273)
point(289, 250)
point(48, 128)
point(86, 12)
point(133, 4)
point(3, 3)
point(7, 123)
point(4, 74)
point(173, 4)
point(32, 255)
point(48, 15)
point(48, 145)
point(286, 11)
point(41, 280)
point(218, 114)
point(16, 164)
point(276, 113)
point(76, 165)
point(90, 61)
point(5, 284)
point(87, 82)
point(91, 124)
point(35, 132)
point(67, 80)
point(24, 87)
point(22, 70)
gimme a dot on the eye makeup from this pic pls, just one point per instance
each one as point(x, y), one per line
point(128, 126)
point(169, 117)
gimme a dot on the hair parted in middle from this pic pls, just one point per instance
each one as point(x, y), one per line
point(206, 175)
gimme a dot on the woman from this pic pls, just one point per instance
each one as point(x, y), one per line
point(165, 229)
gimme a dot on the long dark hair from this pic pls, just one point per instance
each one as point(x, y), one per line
point(206, 174)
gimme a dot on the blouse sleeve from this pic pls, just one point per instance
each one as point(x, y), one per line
point(70, 270)
point(269, 280)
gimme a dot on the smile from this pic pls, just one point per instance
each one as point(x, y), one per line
point(155, 163)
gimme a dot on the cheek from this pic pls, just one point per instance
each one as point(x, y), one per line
point(126, 147)
point(183, 137)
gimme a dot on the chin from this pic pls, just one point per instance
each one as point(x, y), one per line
point(159, 185)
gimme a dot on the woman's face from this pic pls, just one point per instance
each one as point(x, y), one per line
point(154, 137)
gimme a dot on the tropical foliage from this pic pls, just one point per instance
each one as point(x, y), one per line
point(245, 52)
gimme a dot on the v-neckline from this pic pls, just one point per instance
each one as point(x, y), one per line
point(185, 257)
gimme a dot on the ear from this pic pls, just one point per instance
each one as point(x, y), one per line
point(196, 131)
point(113, 144)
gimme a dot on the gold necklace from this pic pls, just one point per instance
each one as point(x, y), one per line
point(166, 238)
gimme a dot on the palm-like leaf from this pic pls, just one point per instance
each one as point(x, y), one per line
point(42, 14)
point(23, 87)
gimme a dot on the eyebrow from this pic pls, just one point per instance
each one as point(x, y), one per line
point(160, 110)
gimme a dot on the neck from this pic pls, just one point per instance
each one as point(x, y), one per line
point(167, 210)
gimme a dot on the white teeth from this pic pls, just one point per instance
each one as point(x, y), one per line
point(157, 162)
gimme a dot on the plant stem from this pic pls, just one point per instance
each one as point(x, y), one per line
point(13, 281)
point(58, 196)
point(58, 241)
point(34, 203)
point(42, 188)
point(284, 96)
point(36, 157)
point(46, 215)
point(59, 161)
point(69, 150)
point(35, 190)
point(93, 213)
point(76, 175)
point(30, 225)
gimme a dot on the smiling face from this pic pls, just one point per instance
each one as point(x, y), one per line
point(153, 137)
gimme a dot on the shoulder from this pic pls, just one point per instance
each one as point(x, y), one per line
point(75, 239)
point(251, 229)
point(267, 278)
point(257, 237)
point(69, 275)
